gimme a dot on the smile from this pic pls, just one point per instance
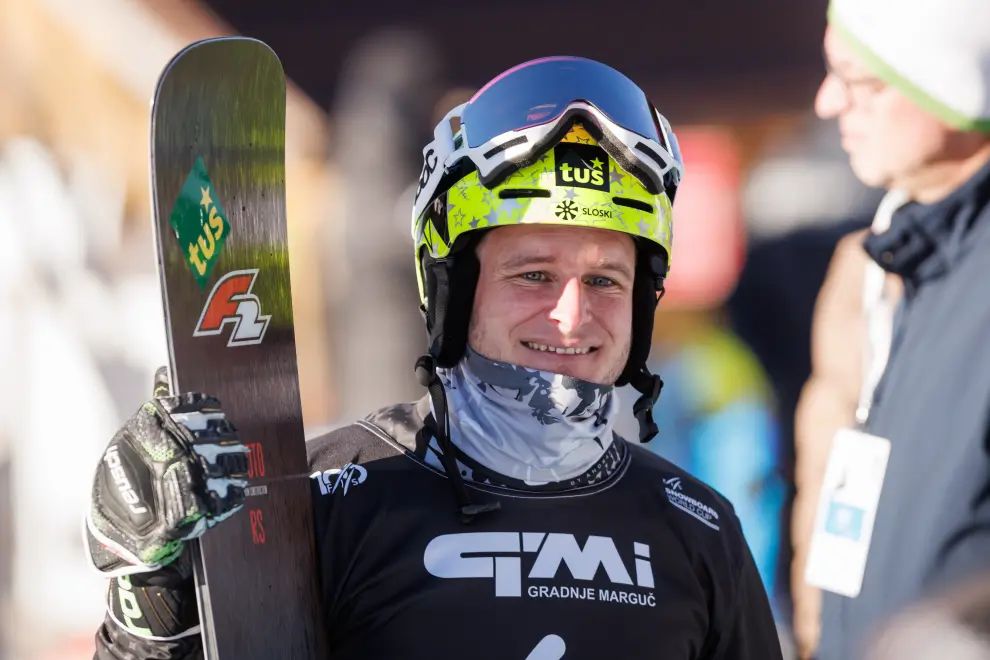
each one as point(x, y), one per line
point(558, 350)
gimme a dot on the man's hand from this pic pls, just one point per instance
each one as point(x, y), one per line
point(175, 469)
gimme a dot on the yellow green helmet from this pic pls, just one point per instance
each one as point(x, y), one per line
point(574, 183)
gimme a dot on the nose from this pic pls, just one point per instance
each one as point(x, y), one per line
point(831, 99)
point(570, 310)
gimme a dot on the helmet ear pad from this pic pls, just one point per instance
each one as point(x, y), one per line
point(450, 286)
point(451, 283)
point(651, 268)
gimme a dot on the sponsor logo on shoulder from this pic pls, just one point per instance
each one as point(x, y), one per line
point(688, 504)
point(330, 481)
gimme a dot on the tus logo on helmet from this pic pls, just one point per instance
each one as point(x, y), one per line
point(581, 165)
point(491, 557)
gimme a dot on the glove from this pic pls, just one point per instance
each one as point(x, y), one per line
point(174, 470)
point(160, 606)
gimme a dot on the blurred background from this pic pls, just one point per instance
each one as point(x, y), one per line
point(766, 196)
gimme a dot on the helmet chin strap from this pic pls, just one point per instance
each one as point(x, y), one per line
point(426, 373)
point(649, 386)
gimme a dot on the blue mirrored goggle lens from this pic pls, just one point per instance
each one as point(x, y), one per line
point(538, 91)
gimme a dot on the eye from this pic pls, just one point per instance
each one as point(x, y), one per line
point(534, 276)
point(601, 281)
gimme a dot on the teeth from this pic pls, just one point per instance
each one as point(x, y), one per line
point(555, 349)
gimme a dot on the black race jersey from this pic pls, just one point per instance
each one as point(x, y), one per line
point(645, 562)
point(636, 559)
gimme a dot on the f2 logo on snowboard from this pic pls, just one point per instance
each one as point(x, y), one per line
point(231, 301)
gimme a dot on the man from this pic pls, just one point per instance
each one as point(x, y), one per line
point(915, 121)
point(542, 232)
point(827, 403)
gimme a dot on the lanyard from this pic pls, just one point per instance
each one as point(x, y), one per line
point(878, 311)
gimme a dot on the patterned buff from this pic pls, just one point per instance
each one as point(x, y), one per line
point(532, 426)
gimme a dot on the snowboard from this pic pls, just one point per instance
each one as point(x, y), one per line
point(218, 198)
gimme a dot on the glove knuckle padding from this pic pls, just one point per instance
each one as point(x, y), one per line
point(166, 471)
point(231, 464)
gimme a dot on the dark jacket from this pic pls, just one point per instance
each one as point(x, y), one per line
point(642, 561)
point(933, 521)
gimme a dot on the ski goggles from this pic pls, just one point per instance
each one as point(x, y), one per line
point(516, 117)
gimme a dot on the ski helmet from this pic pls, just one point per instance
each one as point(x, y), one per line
point(559, 141)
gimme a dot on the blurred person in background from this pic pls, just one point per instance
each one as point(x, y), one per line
point(543, 241)
point(828, 403)
point(914, 121)
point(799, 199)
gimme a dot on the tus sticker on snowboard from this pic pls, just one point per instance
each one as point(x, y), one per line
point(199, 223)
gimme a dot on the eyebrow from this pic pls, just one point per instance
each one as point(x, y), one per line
point(527, 260)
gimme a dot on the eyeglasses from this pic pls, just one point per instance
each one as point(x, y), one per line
point(858, 90)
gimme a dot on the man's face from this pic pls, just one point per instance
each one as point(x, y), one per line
point(556, 299)
point(889, 139)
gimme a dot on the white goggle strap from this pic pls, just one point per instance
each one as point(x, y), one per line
point(630, 140)
point(670, 138)
point(436, 159)
point(534, 136)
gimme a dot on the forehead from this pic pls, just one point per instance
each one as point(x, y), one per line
point(555, 242)
point(839, 54)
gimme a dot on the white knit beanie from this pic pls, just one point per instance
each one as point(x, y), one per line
point(935, 52)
